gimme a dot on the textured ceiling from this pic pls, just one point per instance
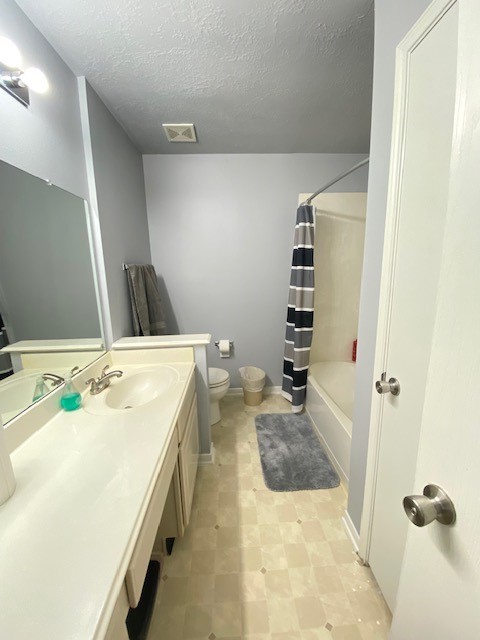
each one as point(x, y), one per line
point(255, 76)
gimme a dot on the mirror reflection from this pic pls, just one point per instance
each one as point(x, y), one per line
point(49, 315)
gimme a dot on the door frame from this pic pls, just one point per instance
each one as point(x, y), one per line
point(429, 19)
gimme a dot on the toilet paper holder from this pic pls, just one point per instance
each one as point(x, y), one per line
point(230, 342)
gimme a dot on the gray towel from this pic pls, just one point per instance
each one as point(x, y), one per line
point(147, 308)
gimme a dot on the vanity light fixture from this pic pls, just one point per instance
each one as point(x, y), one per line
point(15, 81)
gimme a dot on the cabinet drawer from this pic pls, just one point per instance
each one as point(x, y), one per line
point(185, 409)
point(137, 568)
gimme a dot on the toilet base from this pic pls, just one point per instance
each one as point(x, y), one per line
point(215, 415)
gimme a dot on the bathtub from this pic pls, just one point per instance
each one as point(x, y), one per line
point(329, 403)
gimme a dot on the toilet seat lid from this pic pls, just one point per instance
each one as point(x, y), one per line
point(217, 377)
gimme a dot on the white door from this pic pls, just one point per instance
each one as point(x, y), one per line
point(439, 592)
point(418, 193)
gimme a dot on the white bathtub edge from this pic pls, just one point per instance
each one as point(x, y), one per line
point(328, 451)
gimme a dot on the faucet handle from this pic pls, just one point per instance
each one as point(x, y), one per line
point(74, 370)
point(104, 370)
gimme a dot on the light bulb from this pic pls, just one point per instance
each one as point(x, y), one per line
point(35, 80)
point(10, 56)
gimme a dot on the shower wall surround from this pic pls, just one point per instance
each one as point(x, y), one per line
point(339, 235)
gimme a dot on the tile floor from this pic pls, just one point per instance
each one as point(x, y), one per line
point(260, 565)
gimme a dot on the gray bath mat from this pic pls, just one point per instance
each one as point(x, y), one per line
point(292, 457)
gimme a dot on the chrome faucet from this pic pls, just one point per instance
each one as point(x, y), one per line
point(53, 378)
point(103, 381)
point(57, 380)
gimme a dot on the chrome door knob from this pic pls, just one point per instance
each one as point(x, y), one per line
point(392, 386)
point(433, 505)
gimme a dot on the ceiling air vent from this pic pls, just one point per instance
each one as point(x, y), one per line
point(180, 132)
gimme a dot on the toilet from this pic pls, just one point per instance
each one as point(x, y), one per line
point(219, 382)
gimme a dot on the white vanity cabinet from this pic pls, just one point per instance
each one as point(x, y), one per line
point(169, 509)
point(188, 451)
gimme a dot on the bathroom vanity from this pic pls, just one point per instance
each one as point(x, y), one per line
point(98, 490)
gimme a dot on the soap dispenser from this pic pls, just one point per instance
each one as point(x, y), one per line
point(71, 399)
point(41, 389)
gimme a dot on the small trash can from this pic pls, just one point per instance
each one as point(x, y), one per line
point(253, 381)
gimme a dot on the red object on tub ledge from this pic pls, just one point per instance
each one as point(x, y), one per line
point(354, 351)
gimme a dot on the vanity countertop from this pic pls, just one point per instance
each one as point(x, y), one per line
point(84, 482)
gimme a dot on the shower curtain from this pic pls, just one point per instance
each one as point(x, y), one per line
point(298, 335)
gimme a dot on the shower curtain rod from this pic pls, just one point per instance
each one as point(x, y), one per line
point(332, 182)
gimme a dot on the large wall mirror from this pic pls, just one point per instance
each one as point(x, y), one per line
point(50, 319)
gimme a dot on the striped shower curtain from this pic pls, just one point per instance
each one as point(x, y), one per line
point(298, 336)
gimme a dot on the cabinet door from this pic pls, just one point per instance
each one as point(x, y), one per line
point(189, 450)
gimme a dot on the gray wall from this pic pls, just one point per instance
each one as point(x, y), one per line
point(393, 19)
point(46, 139)
point(221, 234)
point(120, 197)
point(46, 274)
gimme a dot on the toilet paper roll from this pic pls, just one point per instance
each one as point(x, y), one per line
point(224, 348)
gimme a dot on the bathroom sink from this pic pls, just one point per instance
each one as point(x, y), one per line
point(135, 389)
point(140, 388)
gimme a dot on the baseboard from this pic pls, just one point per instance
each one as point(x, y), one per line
point(268, 391)
point(207, 458)
point(329, 452)
point(352, 533)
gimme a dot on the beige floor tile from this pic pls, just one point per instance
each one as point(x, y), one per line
point(270, 534)
point(246, 499)
point(366, 606)
point(202, 561)
point(178, 565)
point(228, 537)
point(205, 518)
point(297, 555)
point(227, 588)
point(282, 615)
point(312, 531)
point(175, 593)
point(307, 510)
point(227, 499)
point(247, 515)
point(315, 634)
point(227, 560)
point(342, 551)
point(350, 632)
point(249, 535)
point(227, 516)
point(200, 589)
point(198, 621)
point(277, 584)
point(373, 630)
point(310, 612)
point(328, 580)
point(167, 623)
point(296, 568)
point(227, 619)
point(251, 559)
point(252, 586)
point(255, 617)
point(320, 554)
point(302, 581)
point(286, 512)
point(329, 510)
point(274, 557)
point(267, 514)
point(338, 609)
point(291, 532)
